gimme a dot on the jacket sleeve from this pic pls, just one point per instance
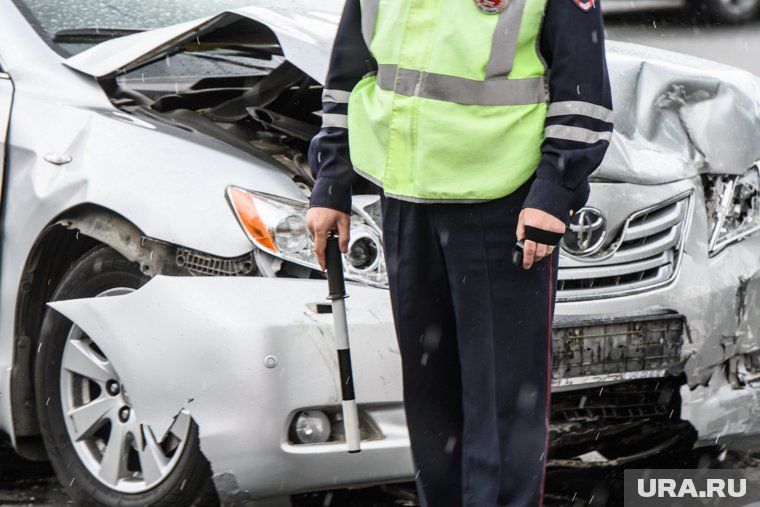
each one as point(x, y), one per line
point(579, 120)
point(328, 153)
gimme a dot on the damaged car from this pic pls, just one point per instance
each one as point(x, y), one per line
point(166, 337)
point(137, 161)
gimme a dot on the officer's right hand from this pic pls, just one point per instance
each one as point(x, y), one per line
point(321, 222)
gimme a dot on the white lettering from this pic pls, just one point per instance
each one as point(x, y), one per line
point(652, 488)
point(715, 488)
point(667, 486)
point(688, 488)
point(733, 492)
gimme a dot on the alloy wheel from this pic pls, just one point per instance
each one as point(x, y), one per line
point(105, 430)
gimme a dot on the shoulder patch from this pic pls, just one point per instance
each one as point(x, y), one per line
point(585, 5)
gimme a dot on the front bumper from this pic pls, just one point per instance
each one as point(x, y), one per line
point(208, 345)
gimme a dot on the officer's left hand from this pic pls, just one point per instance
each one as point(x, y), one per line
point(534, 252)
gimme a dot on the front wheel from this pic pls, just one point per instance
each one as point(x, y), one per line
point(100, 448)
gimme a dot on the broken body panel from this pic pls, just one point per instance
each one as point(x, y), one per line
point(201, 345)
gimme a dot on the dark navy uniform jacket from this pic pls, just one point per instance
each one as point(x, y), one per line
point(578, 128)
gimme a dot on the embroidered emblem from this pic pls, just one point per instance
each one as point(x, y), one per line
point(492, 6)
point(585, 5)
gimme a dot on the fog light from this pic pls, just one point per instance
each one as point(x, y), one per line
point(311, 427)
point(291, 234)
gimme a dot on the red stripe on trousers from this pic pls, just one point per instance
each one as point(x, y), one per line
point(548, 375)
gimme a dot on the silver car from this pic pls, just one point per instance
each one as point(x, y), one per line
point(109, 183)
point(166, 337)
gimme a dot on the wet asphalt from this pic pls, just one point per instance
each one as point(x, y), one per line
point(25, 483)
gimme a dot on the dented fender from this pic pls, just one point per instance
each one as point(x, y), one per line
point(241, 356)
point(678, 116)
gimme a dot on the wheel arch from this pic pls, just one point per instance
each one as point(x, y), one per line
point(64, 240)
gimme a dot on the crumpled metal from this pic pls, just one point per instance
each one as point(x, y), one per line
point(678, 116)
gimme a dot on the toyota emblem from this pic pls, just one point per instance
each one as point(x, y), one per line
point(586, 233)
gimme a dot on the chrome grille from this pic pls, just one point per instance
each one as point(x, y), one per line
point(645, 255)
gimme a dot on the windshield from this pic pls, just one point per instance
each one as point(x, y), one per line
point(71, 26)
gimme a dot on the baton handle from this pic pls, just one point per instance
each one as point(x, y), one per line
point(335, 278)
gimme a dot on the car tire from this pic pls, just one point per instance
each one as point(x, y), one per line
point(186, 478)
point(730, 11)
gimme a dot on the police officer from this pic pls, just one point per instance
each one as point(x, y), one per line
point(481, 121)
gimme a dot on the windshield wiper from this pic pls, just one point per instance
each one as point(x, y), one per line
point(84, 35)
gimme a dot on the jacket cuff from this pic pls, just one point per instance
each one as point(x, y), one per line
point(553, 198)
point(333, 194)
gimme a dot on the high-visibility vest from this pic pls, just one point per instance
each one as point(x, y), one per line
point(457, 107)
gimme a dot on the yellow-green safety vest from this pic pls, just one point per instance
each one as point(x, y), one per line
point(457, 107)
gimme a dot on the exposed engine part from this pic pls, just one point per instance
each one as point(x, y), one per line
point(744, 370)
point(208, 265)
point(297, 165)
point(271, 113)
point(154, 256)
point(270, 142)
point(294, 128)
point(733, 207)
point(273, 267)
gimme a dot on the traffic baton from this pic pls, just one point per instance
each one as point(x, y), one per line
point(338, 297)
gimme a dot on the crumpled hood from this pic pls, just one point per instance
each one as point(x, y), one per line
point(678, 116)
point(306, 38)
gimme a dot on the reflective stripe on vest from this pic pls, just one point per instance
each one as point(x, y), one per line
point(456, 109)
point(492, 92)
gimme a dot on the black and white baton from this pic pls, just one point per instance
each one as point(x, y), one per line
point(338, 297)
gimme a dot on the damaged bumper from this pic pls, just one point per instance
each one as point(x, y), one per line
point(694, 333)
point(244, 356)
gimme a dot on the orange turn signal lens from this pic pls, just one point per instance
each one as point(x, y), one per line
point(249, 218)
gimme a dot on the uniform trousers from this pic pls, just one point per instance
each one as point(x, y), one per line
point(474, 333)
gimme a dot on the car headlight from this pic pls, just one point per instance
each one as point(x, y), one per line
point(733, 207)
point(277, 226)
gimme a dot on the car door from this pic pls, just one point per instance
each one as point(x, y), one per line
point(6, 97)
